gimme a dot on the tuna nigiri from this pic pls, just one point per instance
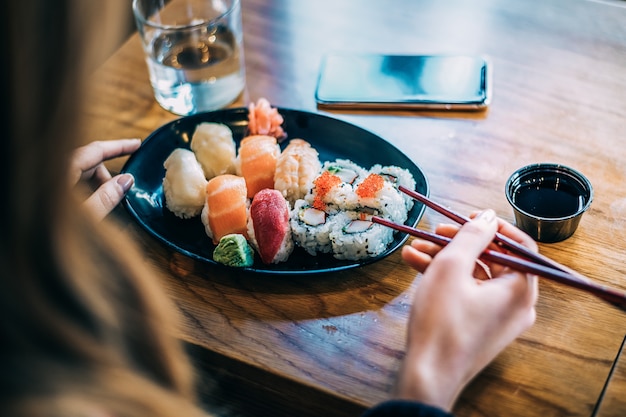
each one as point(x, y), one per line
point(226, 207)
point(256, 162)
point(268, 226)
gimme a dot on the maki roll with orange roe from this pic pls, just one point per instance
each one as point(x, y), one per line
point(397, 176)
point(311, 227)
point(380, 197)
point(354, 237)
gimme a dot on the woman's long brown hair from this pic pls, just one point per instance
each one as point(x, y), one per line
point(85, 328)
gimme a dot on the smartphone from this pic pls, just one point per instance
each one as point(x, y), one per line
point(376, 81)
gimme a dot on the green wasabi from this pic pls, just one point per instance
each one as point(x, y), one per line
point(234, 250)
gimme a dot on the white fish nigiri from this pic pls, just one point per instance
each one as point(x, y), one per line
point(214, 147)
point(184, 184)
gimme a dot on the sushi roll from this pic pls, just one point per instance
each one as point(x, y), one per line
point(226, 207)
point(311, 227)
point(184, 184)
point(256, 162)
point(353, 237)
point(234, 250)
point(268, 226)
point(397, 176)
point(214, 147)
point(348, 171)
point(380, 197)
point(333, 189)
point(296, 168)
point(331, 194)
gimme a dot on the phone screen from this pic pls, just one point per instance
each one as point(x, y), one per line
point(403, 81)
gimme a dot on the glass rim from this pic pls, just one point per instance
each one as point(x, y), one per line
point(203, 22)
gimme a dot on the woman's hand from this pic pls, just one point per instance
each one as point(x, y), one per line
point(87, 165)
point(458, 322)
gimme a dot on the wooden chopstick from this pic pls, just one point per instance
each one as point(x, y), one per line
point(610, 295)
point(501, 240)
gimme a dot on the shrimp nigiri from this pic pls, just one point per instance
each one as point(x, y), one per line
point(226, 208)
point(296, 168)
point(256, 162)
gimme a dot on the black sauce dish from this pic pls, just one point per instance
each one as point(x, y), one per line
point(548, 200)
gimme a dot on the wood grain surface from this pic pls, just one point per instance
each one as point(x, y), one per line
point(613, 402)
point(559, 96)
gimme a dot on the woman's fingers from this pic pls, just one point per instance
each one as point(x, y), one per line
point(87, 159)
point(512, 232)
point(416, 258)
point(87, 165)
point(469, 243)
point(108, 195)
point(421, 253)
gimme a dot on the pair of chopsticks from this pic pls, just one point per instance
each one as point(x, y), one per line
point(526, 260)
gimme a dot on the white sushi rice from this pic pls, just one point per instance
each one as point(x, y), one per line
point(204, 216)
point(312, 238)
point(339, 198)
point(387, 202)
point(397, 176)
point(358, 245)
point(337, 166)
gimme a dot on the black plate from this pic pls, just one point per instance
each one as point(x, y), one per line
point(331, 137)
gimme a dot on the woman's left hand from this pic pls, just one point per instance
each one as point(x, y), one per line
point(87, 165)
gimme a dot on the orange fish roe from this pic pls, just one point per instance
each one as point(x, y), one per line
point(370, 186)
point(323, 184)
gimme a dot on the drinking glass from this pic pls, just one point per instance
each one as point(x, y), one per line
point(194, 52)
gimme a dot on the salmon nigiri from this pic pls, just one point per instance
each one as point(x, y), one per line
point(226, 208)
point(256, 162)
point(269, 228)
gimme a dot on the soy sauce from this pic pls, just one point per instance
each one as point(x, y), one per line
point(550, 197)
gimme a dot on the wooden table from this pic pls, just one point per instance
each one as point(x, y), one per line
point(331, 345)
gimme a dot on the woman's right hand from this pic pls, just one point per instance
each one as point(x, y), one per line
point(460, 321)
